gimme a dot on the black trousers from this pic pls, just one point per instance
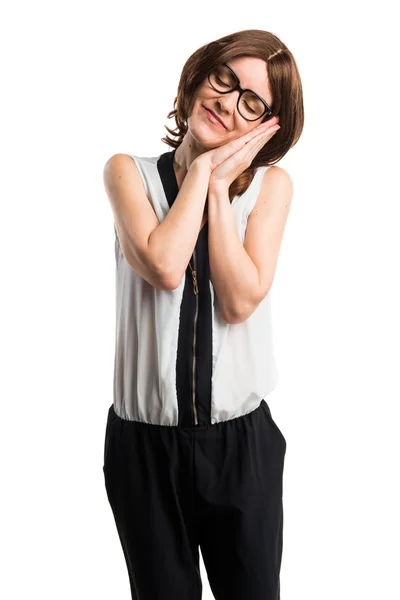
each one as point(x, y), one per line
point(174, 489)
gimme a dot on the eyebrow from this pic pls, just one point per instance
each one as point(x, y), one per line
point(267, 103)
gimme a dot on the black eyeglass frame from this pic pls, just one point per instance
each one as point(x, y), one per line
point(268, 109)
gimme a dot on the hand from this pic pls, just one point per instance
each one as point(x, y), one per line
point(228, 161)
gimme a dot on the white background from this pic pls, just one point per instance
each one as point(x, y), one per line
point(75, 78)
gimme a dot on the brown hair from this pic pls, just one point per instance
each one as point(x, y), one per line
point(284, 80)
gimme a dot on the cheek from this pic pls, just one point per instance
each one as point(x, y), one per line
point(196, 107)
point(240, 131)
point(202, 134)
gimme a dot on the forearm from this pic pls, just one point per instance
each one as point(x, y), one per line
point(233, 273)
point(173, 241)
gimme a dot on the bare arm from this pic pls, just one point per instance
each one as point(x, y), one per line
point(158, 252)
point(173, 241)
point(242, 273)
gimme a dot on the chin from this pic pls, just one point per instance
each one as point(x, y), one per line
point(205, 137)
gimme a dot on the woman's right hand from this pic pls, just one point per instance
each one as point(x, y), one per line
point(216, 156)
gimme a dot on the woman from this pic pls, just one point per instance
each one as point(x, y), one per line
point(192, 456)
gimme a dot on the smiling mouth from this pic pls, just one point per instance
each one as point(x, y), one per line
point(213, 118)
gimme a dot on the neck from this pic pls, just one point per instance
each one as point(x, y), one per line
point(186, 153)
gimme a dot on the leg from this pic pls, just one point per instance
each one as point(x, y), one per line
point(240, 507)
point(149, 491)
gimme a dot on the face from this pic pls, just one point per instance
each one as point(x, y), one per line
point(253, 74)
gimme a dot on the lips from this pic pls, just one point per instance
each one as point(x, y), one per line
point(215, 116)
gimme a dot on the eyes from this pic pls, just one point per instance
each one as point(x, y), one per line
point(250, 106)
point(219, 80)
point(242, 100)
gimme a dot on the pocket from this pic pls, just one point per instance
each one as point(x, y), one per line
point(110, 420)
point(274, 425)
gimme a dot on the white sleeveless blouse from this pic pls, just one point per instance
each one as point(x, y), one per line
point(177, 362)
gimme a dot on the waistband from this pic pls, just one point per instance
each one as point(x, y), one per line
point(262, 407)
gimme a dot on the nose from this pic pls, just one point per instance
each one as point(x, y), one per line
point(228, 102)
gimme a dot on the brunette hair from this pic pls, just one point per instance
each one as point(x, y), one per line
point(284, 81)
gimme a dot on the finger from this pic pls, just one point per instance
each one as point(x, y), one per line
point(265, 129)
point(251, 149)
point(264, 139)
point(267, 125)
point(269, 128)
point(227, 150)
point(259, 140)
point(230, 148)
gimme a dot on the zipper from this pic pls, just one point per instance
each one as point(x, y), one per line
point(196, 293)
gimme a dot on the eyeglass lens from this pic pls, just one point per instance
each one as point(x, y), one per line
point(250, 106)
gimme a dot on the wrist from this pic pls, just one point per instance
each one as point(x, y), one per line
point(218, 193)
point(202, 162)
point(218, 187)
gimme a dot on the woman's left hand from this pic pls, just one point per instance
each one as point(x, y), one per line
point(227, 171)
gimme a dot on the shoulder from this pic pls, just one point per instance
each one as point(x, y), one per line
point(121, 169)
point(118, 162)
point(276, 189)
point(122, 177)
point(277, 176)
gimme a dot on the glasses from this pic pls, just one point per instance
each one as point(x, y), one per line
point(250, 106)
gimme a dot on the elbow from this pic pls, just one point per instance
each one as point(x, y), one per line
point(169, 281)
point(167, 277)
point(157, 277)
point(232, 317)
point(238, 315)
point(168, 284)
